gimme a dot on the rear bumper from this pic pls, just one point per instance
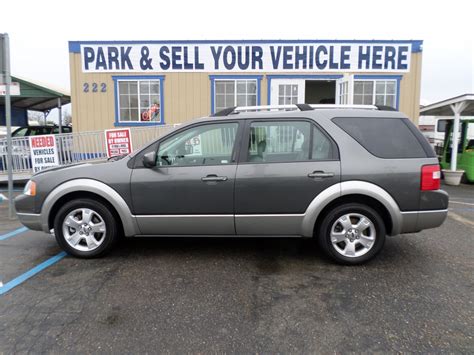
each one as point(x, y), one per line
point(415, 221)
point(31, 220)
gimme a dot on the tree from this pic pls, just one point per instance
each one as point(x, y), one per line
point(67, 118)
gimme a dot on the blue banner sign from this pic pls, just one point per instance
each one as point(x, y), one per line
point(247, 57)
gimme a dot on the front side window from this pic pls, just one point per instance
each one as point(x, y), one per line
point(139, 101)
point(240, 92)
point(287, 141)
point(210, 144)
point(375, 92)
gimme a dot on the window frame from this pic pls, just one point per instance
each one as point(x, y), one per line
point(377, 78)
point(138, 78)
point(214, 78)
point(244, 150)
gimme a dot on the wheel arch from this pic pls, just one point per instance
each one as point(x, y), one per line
point(88, 188)
point(353, 191)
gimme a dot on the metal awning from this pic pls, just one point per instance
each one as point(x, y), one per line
point(443, 108)
point(37, 97)
point(458, 106)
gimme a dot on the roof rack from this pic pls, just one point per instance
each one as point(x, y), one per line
point(302, 107)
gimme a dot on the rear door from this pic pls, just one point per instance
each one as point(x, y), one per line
point(284, 164)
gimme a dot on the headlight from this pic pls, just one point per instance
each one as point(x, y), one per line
point(30, 188)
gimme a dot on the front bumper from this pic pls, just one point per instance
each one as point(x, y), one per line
point(30, 220)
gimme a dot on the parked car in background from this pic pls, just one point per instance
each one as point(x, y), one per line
point(40, 130)
point(344, 176)
point(20, 147)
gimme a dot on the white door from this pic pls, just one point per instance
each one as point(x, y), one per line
point(345, 90)
point(287, 91)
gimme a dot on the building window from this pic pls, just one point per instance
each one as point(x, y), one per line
point(287, 94)
point(344, 93)
point(228, 91)
point(139, 100)
point(235, 93)
point(375, 92)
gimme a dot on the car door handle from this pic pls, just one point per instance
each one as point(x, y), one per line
point(320, 174)
point(213, 178)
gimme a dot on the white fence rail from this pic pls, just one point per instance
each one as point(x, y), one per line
point(75, 147)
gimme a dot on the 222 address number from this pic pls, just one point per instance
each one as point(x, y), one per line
point(94, 87)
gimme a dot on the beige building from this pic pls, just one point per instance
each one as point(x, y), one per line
point(148, 83)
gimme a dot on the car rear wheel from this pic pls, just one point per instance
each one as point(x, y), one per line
point(85, 228)
point(352, 233)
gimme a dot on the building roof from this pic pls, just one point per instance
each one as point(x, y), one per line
point(37, 97)
point(443, 108)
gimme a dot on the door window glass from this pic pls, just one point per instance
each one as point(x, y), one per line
point(322, 146)
point(211, 144)
point(279, 141)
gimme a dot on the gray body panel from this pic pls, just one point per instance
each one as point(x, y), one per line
point(171, 191)
point(256, 199)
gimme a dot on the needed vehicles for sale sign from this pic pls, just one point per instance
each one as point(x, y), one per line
point(44, 152)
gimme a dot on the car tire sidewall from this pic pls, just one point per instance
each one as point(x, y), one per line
point(109, 220)
point(324, 237)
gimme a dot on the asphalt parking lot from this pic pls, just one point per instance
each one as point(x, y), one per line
point(240, 296)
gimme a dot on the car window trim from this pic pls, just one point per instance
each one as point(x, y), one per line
point(246, 137)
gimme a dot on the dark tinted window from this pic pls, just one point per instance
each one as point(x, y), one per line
point(383, 137)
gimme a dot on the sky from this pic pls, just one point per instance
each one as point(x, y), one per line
point(40, 30)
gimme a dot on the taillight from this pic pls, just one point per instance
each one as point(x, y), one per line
point(430, 177)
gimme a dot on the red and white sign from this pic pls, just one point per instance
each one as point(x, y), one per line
point(14, 89)
point(44, 152)
point(118, 142)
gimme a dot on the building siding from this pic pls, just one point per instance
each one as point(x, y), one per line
point(188, 95)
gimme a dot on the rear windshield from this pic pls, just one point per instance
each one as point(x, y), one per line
point(388, 138)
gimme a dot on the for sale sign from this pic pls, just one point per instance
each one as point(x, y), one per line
point(44, 152)
point(118, 142)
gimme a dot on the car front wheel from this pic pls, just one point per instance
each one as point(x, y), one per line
point(352, 233)
point(85, 228)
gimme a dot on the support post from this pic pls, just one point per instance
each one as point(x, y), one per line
point(60, 119)
point(457, 109)
point(8, 118)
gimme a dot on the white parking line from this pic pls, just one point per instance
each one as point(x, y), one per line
point(461, 203)
point(461, 219)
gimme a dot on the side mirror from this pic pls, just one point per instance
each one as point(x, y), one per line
point(149, 160)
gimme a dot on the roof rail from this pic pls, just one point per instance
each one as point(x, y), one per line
point(302, 107)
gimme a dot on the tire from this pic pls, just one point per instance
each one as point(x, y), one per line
point(85, 228)
point(344, 242)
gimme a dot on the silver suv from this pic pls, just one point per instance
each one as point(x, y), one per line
point(344, 176)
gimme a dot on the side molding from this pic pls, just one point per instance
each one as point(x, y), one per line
point(129, 223)
point(350, 188)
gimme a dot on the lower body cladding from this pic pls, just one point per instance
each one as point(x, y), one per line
point(274, 225)
point(288, 225)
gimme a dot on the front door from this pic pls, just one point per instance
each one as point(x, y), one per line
point(287, 91)
point(284, 164)
point(191, 189)
point(344, 90)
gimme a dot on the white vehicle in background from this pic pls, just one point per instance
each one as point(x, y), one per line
point(434, 128)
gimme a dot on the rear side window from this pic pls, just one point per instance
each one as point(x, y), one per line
point(388, 138)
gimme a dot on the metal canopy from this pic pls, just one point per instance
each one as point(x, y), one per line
point(443, 108)
point(36, 97)
point(458, 106)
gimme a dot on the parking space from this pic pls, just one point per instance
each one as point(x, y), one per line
point(243, 295)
